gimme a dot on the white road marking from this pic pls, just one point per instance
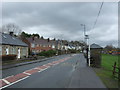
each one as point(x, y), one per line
point(14, 82)
point(6, 81)
point(27, 73)
point(9, 84)
point(37, 68)
point(42, 70)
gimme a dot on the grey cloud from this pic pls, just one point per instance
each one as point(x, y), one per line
point(50, 19)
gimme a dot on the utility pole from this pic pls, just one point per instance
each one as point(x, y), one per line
point(84, 31)
point(86, 39)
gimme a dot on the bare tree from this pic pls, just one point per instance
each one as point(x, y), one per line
point(11, 27)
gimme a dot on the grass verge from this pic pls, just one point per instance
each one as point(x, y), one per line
point(105, 72)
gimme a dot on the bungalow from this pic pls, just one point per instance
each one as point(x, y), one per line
point(9, 44)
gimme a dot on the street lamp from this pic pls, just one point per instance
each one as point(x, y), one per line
point(86, 38)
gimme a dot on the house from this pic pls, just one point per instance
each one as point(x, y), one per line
point(11, 45)
point(37, 45)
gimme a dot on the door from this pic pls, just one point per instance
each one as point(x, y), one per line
point(7, 51)
point(18, 52)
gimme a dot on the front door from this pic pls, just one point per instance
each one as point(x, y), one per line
point(18, 52)
point(7, 51)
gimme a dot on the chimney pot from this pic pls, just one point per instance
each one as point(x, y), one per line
point(11, 33)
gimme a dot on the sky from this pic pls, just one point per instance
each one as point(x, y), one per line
point(62, 20)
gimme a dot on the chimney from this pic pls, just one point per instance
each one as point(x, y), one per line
point(33, 38)
point(54, 39)
point(11, 33)
point(48, 39)
point(42, 37)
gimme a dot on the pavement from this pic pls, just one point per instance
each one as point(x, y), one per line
point(59, 72)
point(23, 63)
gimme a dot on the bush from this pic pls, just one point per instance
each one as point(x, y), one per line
point(47, 53)
point(8, 57)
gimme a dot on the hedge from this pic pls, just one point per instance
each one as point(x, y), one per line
point(8, 57)
point(47, 53)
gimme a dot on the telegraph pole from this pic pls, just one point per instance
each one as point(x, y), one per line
point(86, 39)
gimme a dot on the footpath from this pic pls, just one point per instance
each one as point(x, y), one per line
point(85, 77)
point(24, 63)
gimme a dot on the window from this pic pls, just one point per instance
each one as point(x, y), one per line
point(32, 45)
point(0, 50)
point(44, 46)
point(37, 45)
point(53, 46)
point(13, 50)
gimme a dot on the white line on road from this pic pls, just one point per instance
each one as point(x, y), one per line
point(27, 73)
point(6, 81)
point(14, 82)
point(42, 70)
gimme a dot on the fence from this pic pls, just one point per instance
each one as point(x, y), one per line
point(116, 71)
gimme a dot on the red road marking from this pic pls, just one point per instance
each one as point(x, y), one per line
point(49, 64)
point(16, 77)
point(42, 67)
point(55, 62)
point(2, 83)
point(12, 79)
point(32, 71)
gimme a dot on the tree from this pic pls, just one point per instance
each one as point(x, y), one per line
point(109, 47)
point(11, 27)
point(26, 35)
point(36, 35)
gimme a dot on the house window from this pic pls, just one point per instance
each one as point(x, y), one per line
point(0, 50)
point(13, 50)
point(32, 45)
point(53, 46)
point(37, 45)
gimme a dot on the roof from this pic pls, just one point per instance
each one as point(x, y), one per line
point(95, 46)
point(11, 40)
point(41, 41)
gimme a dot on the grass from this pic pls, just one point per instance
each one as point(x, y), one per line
point(105, 72)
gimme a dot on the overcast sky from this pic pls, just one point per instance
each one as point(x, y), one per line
point(63, 20)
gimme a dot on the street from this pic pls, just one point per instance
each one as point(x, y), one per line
point(65, 71)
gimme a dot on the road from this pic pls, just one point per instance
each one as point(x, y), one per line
point(65, 71)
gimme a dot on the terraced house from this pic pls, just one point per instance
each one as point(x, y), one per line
point(11, 45)
point(37, 44)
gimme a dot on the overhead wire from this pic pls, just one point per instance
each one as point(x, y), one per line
point(98, 15)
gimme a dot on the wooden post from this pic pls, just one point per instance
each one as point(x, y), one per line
point(114, 68)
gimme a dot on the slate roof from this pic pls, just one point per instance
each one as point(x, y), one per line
point(11, 40)
point(41, 41)
point(95, 46)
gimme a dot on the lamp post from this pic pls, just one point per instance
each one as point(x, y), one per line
point(86, 39)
